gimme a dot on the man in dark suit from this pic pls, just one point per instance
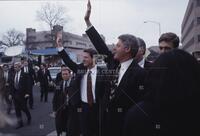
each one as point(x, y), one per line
point(88, 83)
point(127, 82)
point(59, 75)
point(27, 69)
point(6, 77)
point(61, 102)
point(19, 91)
point(140, 58)
point(44, 78)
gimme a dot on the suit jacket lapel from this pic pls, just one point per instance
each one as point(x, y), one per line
point(124, 79)
point(98, 78)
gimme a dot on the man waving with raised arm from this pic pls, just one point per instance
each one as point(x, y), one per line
point(126, 77)
point(88, 83)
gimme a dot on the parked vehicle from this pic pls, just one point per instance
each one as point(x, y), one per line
point(53, 73)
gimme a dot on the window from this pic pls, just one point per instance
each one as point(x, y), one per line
point(188, 30)
point(81, 44)
point(198, 20)
point(69, 42)
point(6, 59)
point(198, 3)
point(188, 44)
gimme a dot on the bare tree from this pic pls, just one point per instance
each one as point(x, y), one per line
point(52, 14)
point(13, 38)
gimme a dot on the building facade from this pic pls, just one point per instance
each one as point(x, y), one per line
point(37, 40)
point(190, 28)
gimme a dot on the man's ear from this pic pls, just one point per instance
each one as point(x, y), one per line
point(94, 60)
point(127, 49)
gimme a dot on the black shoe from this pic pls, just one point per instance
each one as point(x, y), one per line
point(31, 107)
point(20, 125)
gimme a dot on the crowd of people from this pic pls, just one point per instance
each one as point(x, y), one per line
point(17, 88)
point(128, 97)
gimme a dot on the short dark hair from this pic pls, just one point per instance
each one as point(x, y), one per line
point(141, 44)
point(130, 41)
point(23, 58)
point(66, 69)
point(63, 65)
point(43, 64)
point(5, 66)
point(170, 38)
point(91, 52)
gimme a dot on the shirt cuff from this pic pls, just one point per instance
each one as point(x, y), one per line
point(60, 49)
point(89, 27)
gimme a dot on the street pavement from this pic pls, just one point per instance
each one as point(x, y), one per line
point(42, 123)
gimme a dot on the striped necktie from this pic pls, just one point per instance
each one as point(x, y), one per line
point(114, 82)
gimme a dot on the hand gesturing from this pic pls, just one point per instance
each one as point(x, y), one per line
point(87, 14)
point(59, 39)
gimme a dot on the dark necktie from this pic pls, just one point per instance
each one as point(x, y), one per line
point(89, 89)
point(26, 69)
point(114, 83)
point(64, 85)
point(65, 91)
point(6, 76)
point(16, 81)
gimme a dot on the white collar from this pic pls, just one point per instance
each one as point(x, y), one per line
point(126, 64)
point(93, 70)
point(141, 63)
point(18, 72)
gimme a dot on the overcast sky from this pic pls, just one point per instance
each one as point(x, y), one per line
point(110, 17)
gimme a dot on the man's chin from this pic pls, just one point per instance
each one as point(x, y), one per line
point(115, 57)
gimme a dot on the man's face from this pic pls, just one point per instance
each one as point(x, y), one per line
point(42, 67)
point(87, 59)
point(140, 53)
point(165, 46)
point(65, 75)
point(120, 51)
point(5, 68)
point(22, 62)
point(17, 67)
point(25, 63)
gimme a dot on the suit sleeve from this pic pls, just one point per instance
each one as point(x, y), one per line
point(98, 42)
point(33, 74)
point(57, 78)
point(101, 47)
point(48, 74)
point(72, 65)
point(55, 100)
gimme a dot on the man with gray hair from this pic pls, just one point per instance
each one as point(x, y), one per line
point(19, 92)
point(125, 84)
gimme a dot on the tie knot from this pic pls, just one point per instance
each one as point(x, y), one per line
point(89, 72)
point(119, 66)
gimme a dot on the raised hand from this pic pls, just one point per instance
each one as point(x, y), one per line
point(87, 14)
point(59, 39)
